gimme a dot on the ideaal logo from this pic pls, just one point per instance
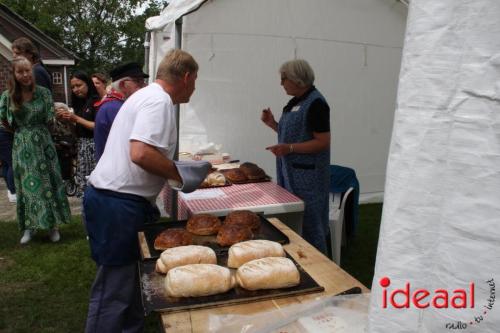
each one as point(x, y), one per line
point(439, 299)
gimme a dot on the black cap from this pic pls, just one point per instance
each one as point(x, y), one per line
point(131, 69)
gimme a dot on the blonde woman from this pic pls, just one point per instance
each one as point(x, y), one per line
point(41, 198)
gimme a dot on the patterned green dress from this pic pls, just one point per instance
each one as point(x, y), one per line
point(41, 197)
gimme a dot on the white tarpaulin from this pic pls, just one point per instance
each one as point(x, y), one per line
point(354, 47)
point(440, 224)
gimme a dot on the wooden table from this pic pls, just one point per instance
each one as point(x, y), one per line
point(324, 271)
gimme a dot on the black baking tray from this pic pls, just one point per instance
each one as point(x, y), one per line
point(266, 231)
point(155, 299)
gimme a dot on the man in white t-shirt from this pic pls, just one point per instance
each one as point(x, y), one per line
point(137, 160)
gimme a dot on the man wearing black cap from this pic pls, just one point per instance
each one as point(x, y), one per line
point(127, 79)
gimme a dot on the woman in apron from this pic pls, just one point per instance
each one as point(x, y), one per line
point(303, 149)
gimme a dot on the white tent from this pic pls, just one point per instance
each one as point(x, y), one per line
point(354, 46)
point(440, 225)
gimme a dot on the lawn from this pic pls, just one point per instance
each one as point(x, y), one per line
point(44, 287)
point(358, 257)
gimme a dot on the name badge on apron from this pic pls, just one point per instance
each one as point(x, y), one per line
point(295, 108)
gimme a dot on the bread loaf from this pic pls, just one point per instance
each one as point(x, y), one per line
point(203, 224)
point(198, 280)
point(232, 234)
point(243, 252)
point(243, 217)
point(252, 171)
point(235, 175)
point(184, 255)
point(214, 179)
point(268, 273)
point(171, 238)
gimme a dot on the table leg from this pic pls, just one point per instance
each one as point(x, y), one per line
point(291, 220)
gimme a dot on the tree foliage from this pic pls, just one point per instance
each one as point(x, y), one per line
point(101, 33)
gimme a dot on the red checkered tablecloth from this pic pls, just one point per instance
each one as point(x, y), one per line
point(267, 197)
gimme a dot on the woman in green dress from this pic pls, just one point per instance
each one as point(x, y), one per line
point(41, 198)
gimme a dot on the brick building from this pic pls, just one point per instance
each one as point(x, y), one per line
point(57, 59)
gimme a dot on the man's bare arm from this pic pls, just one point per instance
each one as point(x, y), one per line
point(150, 159)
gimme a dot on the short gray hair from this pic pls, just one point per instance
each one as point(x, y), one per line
point(298, 71)
point(116, 84)
point(59, 105)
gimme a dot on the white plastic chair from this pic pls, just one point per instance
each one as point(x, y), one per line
point(336, 221)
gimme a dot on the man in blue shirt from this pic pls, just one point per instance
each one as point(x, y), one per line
point(127, 79)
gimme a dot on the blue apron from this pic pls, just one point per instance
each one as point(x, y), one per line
point(306, 175)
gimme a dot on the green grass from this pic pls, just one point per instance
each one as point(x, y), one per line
point(44, 287)
point(358, 257)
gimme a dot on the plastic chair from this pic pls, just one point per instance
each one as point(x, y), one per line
point(336, 222)
point(341, 178)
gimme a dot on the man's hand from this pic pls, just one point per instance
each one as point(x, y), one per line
point(193, 173)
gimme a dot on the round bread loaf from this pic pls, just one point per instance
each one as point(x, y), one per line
point(243, 217)
point(198, 280)
point(268, 273)
point(172, 238)
point(232, 234)
point(184, 255)
point(203, 224)
point(235, 175)
point(252, 171)
point(244, 252)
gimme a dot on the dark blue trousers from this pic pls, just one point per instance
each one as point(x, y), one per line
point(6, 139)
point(112, 221)
point(115, 301)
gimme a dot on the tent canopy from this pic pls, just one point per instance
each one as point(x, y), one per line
point(353, 46)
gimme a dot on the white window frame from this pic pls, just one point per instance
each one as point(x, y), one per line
point(57, 78)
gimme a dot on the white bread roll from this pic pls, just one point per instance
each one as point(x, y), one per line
point(243, 252)
point(184, 255)
point(215, 178)
point(198, 280)
point(268, 273)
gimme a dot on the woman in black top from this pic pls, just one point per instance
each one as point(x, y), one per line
point(83, 97)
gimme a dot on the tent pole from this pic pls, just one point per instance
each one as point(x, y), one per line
point(178, 45)
point(147, 38)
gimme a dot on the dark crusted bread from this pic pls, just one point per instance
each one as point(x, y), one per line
point(252, 171)
point(232, 234)
point(171, 238)
point(243, 217)
point(235, 175)
point(203, 224)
